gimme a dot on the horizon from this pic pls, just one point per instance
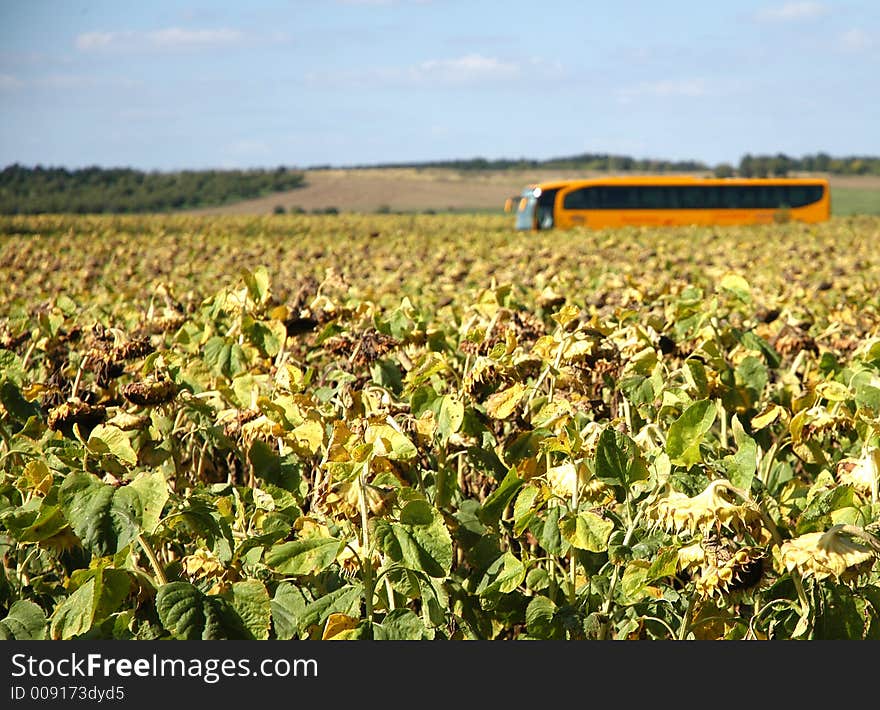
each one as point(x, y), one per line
point(365, 83)
point(449, 163)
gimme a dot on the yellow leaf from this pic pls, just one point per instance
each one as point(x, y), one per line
point(502, 404)
point(833, 391)
point(336, 624)
point(737, 285)
point(767, 417)
point(566, 314)
point(37, 477)
point(309, 435)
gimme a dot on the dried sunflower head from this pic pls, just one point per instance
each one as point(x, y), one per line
point(484, 373)
point(710, 510)
point(832, 553)
point(150, 392)
point(726, 571)
point(87, 416)
point(721, 568)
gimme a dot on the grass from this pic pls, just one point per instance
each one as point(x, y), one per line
point(855, 200)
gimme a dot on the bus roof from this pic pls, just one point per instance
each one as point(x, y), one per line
point(673, 180)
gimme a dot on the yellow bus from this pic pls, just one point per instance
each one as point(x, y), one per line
point(669, 200)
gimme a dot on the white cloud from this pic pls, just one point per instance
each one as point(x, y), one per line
point(96, 40)
point(7, 82)
point(169, 37)
point(177, 37)
point(664, 88)
point(792, 11)
point(467, 69)
point(856, 40)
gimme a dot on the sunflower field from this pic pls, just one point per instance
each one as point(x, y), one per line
point(435, 427)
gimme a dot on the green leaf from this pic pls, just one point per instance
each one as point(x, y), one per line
point(345, 600)
point(258, 283)
point(523, 508)
point(450, 415)
point(153, 493)
point(11, 367)
point(738, 286)
point(15, 404)
point(74, 615)
point(547, 532)
point(96, 599)
point(840, 616)
point(251, 602)
point(108, 439)
point(540, 619)
point(25, 621)
point(420, 544)
point(417, 512)
point(664, 565)
point(633, 583)
point(112, 587)
point(503, 576)
point(742, 465)
point(105, 518)
point(49, 522)
point(497, 501)
point(402, 625)
point(756, 342)
point(618, 459)
point(687, 432)
point(225, 357)
point(187, 613)
point(288, 606)
point(867, 392)
point(306, 556)
point(586, 531)
point(698, 378)
point(267, 336)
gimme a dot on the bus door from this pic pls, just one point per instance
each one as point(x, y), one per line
point(544, 218)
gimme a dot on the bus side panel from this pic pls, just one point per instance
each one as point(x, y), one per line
point(601, 219)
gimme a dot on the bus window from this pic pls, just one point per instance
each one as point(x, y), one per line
point(581, 199)
point(749, 197)
point(802, 195)
point(617, 198)
point(692, 197)
point(655, 198)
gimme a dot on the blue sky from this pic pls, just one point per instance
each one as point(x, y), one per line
point(172, 85)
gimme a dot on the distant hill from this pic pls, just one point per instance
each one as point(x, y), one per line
point(36, 190)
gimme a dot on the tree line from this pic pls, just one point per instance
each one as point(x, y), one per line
point(766, 165)
point(36, 190)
